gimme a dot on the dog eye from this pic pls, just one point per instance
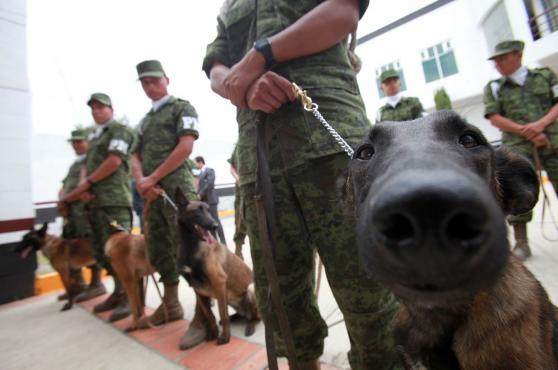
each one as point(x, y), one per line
point(365, 152)
point(469, 141)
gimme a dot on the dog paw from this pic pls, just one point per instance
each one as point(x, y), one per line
point(223, 339)
point(250, 329)
point(66, 307)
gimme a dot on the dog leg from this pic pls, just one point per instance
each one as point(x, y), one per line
point(225, 336)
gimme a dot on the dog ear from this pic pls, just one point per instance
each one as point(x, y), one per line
point(180, 198)
point(42, 231)
point(517, 182)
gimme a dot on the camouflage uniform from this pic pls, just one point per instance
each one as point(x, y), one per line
point(240, 226)
point(523, 105)
point(158, 134)
point(304, 163)
point(76, 224)
point(407, 109)
point(113, 194)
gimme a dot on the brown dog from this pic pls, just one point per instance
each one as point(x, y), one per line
point(212, 270)
point(65, 256)
point(128, 257)
point(430, 197)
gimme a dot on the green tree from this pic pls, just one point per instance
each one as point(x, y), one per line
point(442, 100)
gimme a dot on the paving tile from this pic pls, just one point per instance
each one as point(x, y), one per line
point(148, 336)
point(258, 361)
point(213, 357)
point(168, 345)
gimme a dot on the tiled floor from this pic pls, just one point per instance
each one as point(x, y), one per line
point(238, 354)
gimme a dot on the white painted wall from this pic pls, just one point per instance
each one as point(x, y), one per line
point(15, 121)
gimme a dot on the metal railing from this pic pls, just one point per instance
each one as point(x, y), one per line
point(544, 23)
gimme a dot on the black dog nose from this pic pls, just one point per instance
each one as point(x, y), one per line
point(441, 212)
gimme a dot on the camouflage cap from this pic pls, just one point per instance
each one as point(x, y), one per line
point(78, 134)
point(507, 46)
point(390, 73)
point(150, 68)
point(101, 98)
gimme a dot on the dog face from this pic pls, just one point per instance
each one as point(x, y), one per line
point(194, 215)
point(33, 240)
point(430, 197)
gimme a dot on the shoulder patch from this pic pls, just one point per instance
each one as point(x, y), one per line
point(555, 91)
point(189, 123)
point(495, 87)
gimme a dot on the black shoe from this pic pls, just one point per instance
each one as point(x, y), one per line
point(91, 292)
point(120, 312)
point(110, 303)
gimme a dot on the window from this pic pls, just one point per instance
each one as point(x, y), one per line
point(438, 62)
point(496, 26)
point(393, 65)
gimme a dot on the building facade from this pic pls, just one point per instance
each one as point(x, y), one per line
point(446, 43)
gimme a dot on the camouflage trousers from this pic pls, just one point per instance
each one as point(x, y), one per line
point(100, 218)
point(309, 217)
point(549, 162)
point(76, 225)
point(240, 226)
point(162, 238)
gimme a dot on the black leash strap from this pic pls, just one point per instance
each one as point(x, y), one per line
point(267, 231)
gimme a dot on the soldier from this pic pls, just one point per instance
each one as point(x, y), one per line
point(107, 188)
point(76, 222)
point(256, 53)
point(166, 137)
point(397, 107)
point(240, 225)
point(523, 105)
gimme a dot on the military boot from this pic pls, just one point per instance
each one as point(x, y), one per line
point(201, 328)
point(113, 300)
point(521, 248)
point(95, 288)
point(122, 309)
point(169, 310)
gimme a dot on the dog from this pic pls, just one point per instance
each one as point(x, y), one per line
point(212, 270)
point(429, 198)
point(130, 262)
point(65, 256)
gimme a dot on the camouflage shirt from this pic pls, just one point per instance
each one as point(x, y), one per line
point(76, 211)
point(523, 104)
point(294, 135)
point(407, 109)
point(158, 134)
point(114, 190)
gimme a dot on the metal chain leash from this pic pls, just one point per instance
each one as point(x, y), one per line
point(309, 106)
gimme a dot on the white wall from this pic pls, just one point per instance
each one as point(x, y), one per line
point(15, 122)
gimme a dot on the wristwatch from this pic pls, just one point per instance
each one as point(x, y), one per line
point(263, 46)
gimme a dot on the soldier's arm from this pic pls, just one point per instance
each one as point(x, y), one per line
point(105, 169)
point(533, 129)
point(505, 124)
point(177, 157)
point(321, 28)
point(137, 167)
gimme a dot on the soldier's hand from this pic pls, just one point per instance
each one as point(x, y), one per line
point(269, 92)
point(541, 141)
point(144, 184)
point(62, 209)
point(531, 130)
point(86, 197)
point(152, 193)
point(241, 76)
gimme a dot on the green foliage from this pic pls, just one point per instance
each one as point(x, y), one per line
point(442, 100)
